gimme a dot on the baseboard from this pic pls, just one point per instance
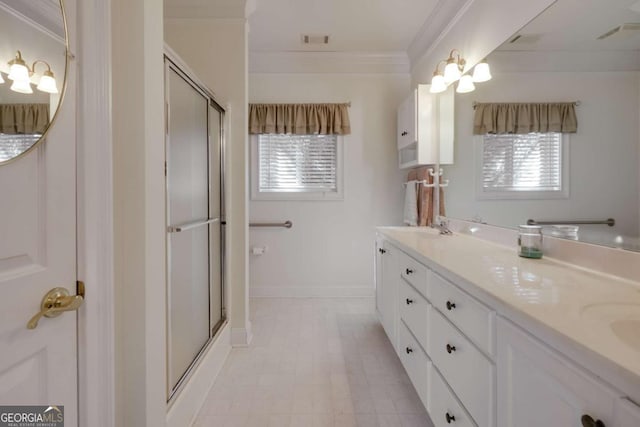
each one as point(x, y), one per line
point(310, 291)
point(241, 337)
point(184, 408)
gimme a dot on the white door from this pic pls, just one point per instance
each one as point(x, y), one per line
point(37, 253)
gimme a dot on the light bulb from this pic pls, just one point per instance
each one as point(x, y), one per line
point(21, 86)
point(481, 72)
point(437, 84)
point(18, 71)
point(465, 84)
point(451, 72)
point(47, 83)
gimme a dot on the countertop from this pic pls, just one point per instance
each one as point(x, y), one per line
point(596, 311)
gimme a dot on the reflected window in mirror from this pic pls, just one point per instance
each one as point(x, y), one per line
point(522, 166)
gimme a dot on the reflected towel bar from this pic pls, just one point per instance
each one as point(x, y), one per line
point(189, 225)
point(286, 224)
point(610, 222)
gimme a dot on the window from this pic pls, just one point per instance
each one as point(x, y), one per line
point(13, 144)
point(523, 166)
point(296, 167)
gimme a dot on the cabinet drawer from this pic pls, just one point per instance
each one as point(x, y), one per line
point(444, 408)
point(469, 373)
point(415, 361)
point(413, 311)
point(469, 315)
point(413, 272)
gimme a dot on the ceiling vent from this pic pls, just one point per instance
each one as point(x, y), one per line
point(622, 31)
point(525, 39)
point(315, 39)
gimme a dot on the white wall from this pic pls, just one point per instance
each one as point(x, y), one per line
point(330, 249)
point(603, 153)
point(216, 50)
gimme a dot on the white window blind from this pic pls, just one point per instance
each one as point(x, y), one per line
point(13, 144)
point(522, 162)
point(297, 163)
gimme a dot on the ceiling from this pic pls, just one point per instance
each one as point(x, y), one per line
point(352, 25)
point(575, 25)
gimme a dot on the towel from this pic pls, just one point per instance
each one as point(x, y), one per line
point(426, 196)
point(410, 204)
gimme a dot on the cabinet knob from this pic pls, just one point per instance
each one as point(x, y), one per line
point(409, 350)
point(408, 271)
point(587, 421)
point(450, 418)
point(451, 348)
point(451, 305)
point(405, 133)
point(382, 251)
point(409, 301)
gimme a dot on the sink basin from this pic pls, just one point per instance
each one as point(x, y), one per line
point(622, 318)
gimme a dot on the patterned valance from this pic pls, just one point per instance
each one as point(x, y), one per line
point(24, 118)
point(299, 119)
point(525, 118)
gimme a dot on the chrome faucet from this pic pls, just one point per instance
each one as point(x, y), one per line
point(443, 226)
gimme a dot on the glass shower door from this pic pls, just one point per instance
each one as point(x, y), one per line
point(194, 227)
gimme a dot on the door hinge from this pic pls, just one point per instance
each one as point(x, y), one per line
point(80, 288)
point(165, 169)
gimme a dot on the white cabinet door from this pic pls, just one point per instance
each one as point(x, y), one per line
point(378, 275)
point(389, 292)
point(406, 132)
point(627, 414)
point(538, 387)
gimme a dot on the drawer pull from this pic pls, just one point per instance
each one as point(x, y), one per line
point(451, 305)
point(405, 133)
point(408, 271)
point(450, 418)
point(409, 350)
point(587, 421)
point(382, 251)
point(409, 301)
point(451, 348)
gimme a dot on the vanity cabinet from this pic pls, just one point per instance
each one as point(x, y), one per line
point(425, 128)
point(473, 367)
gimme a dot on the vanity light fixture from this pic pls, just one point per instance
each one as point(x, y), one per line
point(453, 72)
point(21, 74)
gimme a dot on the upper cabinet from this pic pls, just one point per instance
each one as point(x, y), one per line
point(426, 128)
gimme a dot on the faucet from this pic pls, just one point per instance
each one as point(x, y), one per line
point(443, 226)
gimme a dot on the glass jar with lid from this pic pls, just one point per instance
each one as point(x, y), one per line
point(530, 241)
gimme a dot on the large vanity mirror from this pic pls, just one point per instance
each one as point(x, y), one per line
point(582, 57)
point(33, 66)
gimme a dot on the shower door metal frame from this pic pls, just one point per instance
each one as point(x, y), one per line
point(172, 64)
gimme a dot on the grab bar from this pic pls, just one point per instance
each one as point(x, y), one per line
point(286, 224)
point(610, 222)
point(190, 225)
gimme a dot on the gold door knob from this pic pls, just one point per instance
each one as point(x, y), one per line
point(54, 303)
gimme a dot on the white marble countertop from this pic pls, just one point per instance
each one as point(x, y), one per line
point(596, 311)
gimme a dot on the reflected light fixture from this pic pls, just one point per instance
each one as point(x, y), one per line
point(21, 74)
point(1, 79)
point(453, 72)
point(481, 72)
point(465, 85)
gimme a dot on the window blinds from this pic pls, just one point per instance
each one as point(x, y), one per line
point(522, 162)
point(297, 163)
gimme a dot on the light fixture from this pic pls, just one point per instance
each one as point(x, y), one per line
point(18, 69)
point(465, 85)
point(454, 67)
point(481, 72)
point(437, 81)
point(21, 74)
point(1, 79)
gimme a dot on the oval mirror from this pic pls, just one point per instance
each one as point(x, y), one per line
point(33, 71)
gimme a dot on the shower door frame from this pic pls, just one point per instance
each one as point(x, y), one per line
point(174, 64)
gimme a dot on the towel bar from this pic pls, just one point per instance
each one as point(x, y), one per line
point(610, 222)
point(286, 224)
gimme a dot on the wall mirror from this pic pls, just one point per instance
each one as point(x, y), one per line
point(577, 50)
point(33, 68)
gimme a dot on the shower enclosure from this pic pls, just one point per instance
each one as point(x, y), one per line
point(195, 221)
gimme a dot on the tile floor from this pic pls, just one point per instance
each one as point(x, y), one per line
point(314, 362)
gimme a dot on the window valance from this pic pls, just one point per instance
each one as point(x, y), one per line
point(524, 118)
point(24, 118)
point(299, 119)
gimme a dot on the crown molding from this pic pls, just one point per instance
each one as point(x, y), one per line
point(45, 16)
point(329, 62)
point(444, 16)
